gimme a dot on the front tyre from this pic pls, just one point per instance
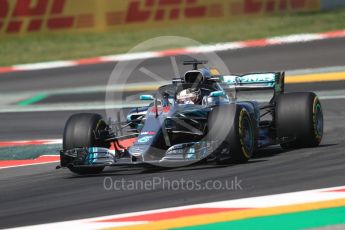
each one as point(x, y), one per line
point(79, 132)
point(234, 128)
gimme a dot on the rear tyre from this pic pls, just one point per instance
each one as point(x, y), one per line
point(299, 116)
point(79, 133)
point(234, 128)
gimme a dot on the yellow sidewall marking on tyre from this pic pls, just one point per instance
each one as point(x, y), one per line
point(244, 150)
point(315, 103)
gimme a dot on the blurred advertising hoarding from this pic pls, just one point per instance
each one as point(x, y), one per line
point(21, 17)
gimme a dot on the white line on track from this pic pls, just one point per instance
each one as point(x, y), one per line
point(133, 86)
point(10, 98)
point(323, 95)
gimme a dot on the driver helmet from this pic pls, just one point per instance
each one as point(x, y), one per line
point(189, 96)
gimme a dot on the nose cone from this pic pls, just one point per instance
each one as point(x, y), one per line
point(143, 148)
point(138, 151)
point(150, 144)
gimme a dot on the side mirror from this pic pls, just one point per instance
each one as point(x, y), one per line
point(146, 97)
point(217, 94)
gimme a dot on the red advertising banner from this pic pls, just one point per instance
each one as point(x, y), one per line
point(21, 17)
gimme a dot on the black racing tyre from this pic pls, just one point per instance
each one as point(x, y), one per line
point(299, 116)
point(79, 133)
point(234, 128)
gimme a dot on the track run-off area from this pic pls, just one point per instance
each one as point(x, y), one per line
point(301, 188)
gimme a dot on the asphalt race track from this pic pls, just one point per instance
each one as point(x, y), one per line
point(40, 194)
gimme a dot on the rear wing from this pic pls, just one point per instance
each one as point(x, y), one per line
point(254, 81)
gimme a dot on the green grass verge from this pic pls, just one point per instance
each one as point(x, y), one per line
point(28, 152)
point(67, 46)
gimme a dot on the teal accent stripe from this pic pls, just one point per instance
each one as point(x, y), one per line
point(32, 100)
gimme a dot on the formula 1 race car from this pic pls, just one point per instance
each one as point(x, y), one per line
point(197, 118)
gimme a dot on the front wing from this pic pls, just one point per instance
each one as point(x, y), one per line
point(176, 156)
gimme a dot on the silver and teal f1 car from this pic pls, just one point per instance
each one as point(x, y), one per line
point(220, 128)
